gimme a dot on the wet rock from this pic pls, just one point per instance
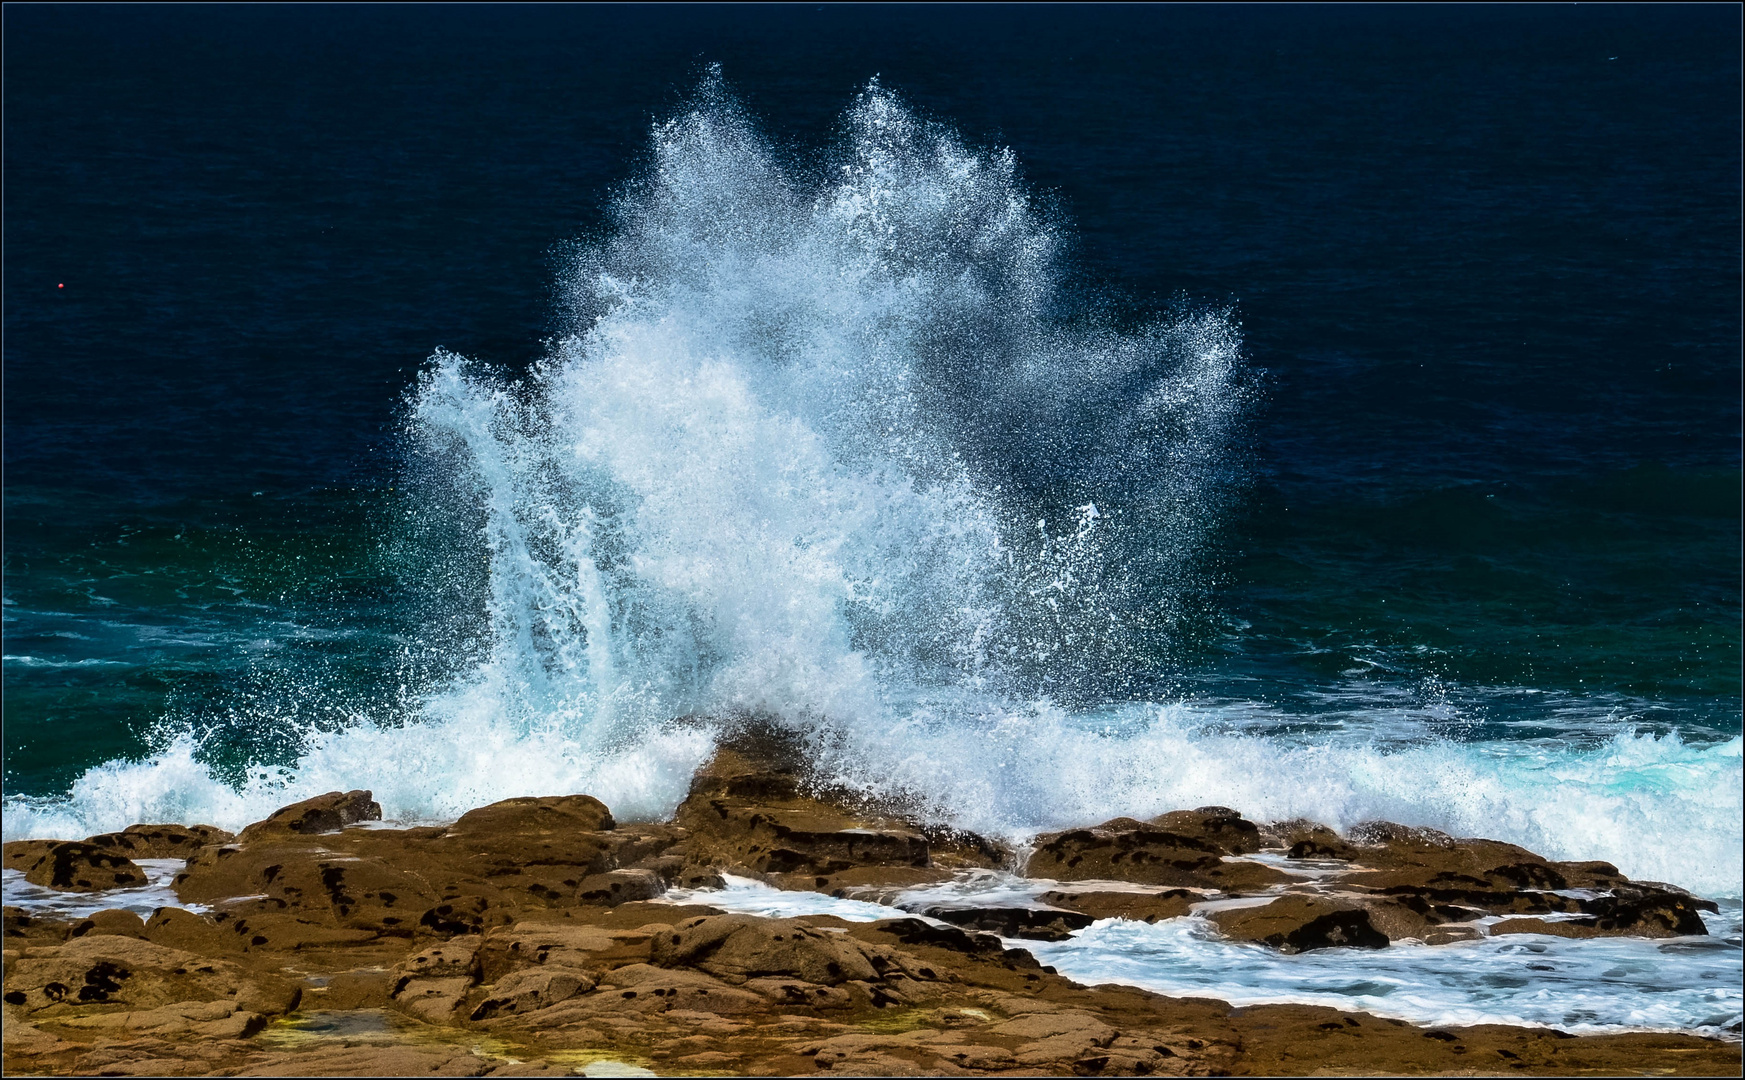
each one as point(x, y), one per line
point(433, 983)
point(579, 947)
point(807, 841)
point(751, 817)
point(528, 817)
point(1219, 826)
point(112, 921)
point(24, 930)
point(313, 881)
point(619, 886)
point(1127, 850)
point(129, 975)
point(491, 937)
point(323, 814)
point(362, 989)
point(1301, 923)
point(523, 992)
point(457, 958)
point(1035, 923)
point(1637, 909)
point(1304, 839)
point(741, 947)
point(919, 933)
point(1134, 906)
point(873, 884)
point(21, 855)
point(160, 841)
point(78, 867)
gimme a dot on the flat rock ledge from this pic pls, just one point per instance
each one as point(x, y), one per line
point(533, 937)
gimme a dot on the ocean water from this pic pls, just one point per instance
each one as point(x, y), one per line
point(1046, 414)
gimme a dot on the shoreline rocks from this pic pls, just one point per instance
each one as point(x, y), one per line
point(532, 935)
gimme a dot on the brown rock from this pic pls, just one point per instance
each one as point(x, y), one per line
point(1137, 907)
point(179, 928)
point(579, 947)
point(362, 989)
point(456, 958)
point(130, 975)
point(1304, 839)
point(529, 817)
point(1219, 826)
point(323, 814)
point(353, 1059)
point(21, 855)
point(160, 841)
point(741, 947)
point(23, 929)
point(527, 991)
point(1129, 850)
point(431, 1000)
point(619, 886)
point(1299, 923)
point(1635, 909)
point(1035, 923)
point(1460, 879)
point(111, 921)
point(338, 888)
point(76, 867)
point(749, 817)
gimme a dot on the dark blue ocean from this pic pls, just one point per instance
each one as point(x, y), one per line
point(1051, 412)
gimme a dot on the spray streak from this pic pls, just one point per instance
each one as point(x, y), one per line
point(803, 457)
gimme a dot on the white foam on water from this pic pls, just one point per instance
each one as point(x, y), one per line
point(157, 892)
point(820, 452)
point(1585, 986)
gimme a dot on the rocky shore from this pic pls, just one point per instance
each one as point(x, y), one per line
point(537, 937)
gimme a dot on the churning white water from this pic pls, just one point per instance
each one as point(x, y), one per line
point(834, 445)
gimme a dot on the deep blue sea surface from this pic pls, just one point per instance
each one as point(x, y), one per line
point(1324, 411)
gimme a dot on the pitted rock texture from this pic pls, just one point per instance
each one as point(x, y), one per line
point(74, 867)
